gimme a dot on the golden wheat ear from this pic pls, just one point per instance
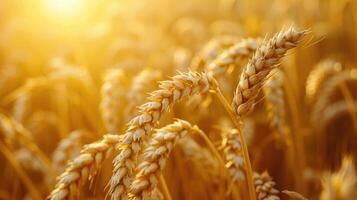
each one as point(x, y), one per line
point(180, 86)
point(267, 57)
point(265, 187)
point(84, 167)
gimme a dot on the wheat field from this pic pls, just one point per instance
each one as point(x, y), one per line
point(178, 100)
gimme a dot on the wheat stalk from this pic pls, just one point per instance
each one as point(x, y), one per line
point(181, 86)
point(264, 187)
point(155, 156)
point(83, 167)
point(34, 193)
point(15, 133)
point(321, 72)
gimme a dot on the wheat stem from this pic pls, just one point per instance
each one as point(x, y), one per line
point(234, 119)
point(165, 188)
point(20, 172)
point(297, 138)
point(210, 145)
point(350, 103)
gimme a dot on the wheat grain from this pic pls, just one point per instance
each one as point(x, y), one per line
point(181, 86)
point(294, 195)
point(266, 58)
point(83, 167)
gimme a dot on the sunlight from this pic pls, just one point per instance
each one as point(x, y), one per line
point(64, 8)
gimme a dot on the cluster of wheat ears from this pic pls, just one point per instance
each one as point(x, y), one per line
point(223, 120)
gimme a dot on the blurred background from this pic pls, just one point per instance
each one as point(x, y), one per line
point(54, 55)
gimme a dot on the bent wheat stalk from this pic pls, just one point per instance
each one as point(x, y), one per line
point(170, 92)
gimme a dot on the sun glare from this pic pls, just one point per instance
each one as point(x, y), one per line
point(64, 8)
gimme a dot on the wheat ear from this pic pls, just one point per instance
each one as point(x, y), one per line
point(341, 184)
point(322, 71)
point(66, 148)
point(170, 92)
point(155, 157)
point(240, 50)
point(113, 92)
point(14, 132)
point(332, 112)
point(84, 167)
point(141, 82)
point(232, 150)
point(264, 187)
point(7, 153)
point(265, 58)
point(330, 86)
point(275, 103)
point(211, 50)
